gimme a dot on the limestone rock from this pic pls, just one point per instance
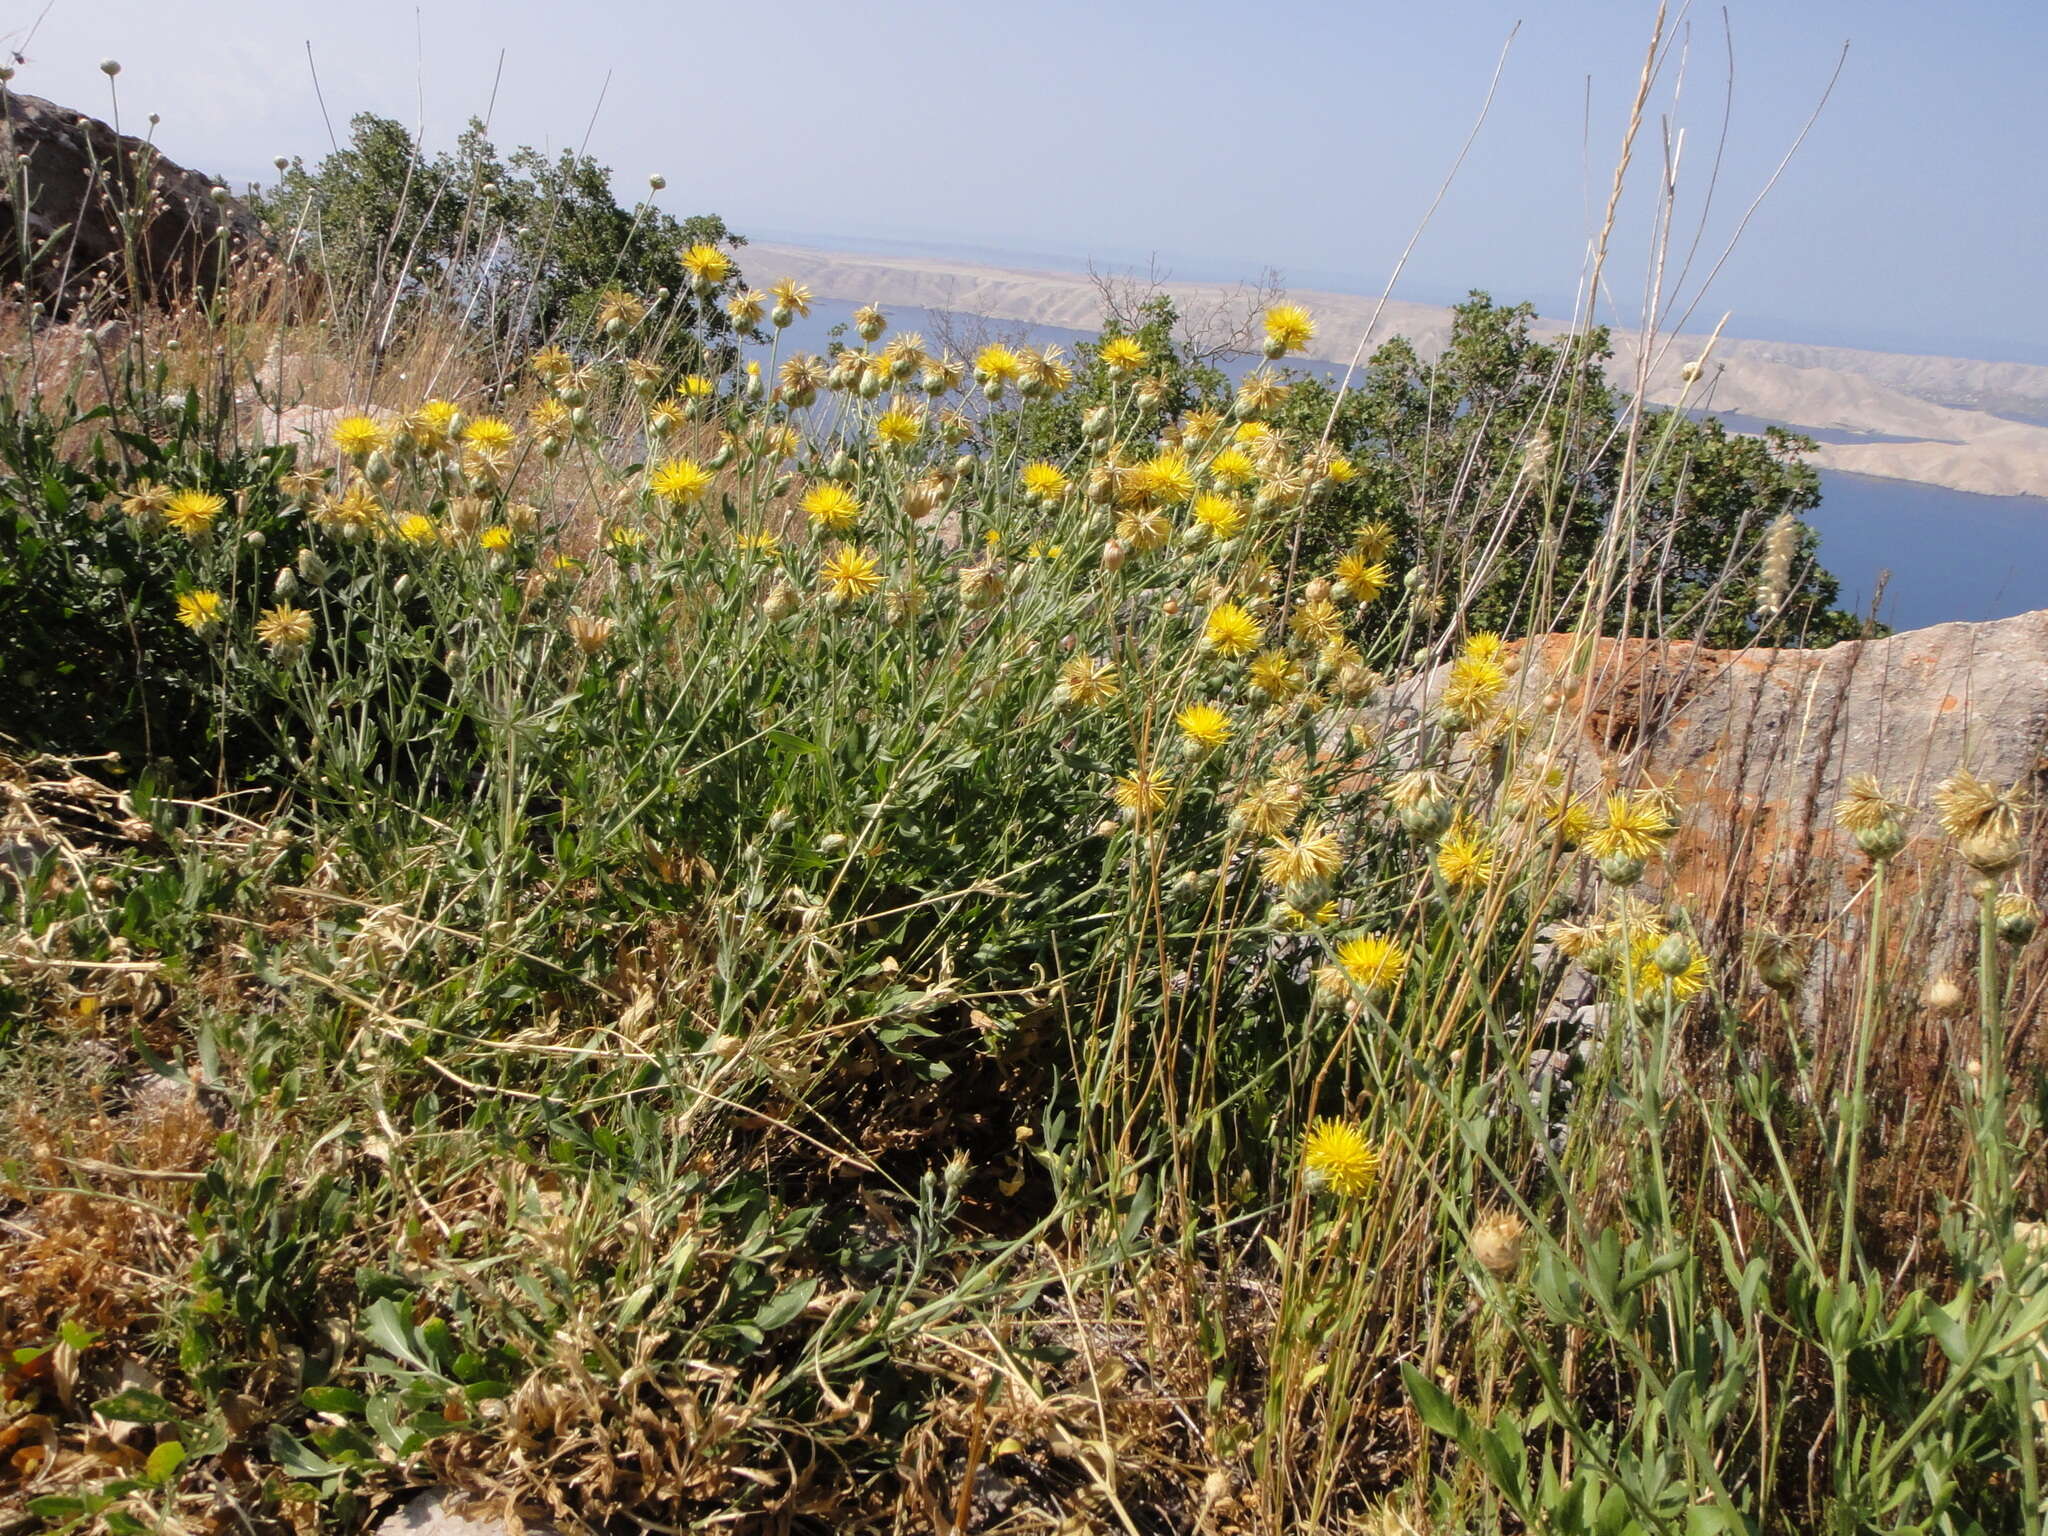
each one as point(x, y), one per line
point(433, 1514)
point(83, 180)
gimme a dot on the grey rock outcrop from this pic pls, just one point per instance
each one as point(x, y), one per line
point(91, 194)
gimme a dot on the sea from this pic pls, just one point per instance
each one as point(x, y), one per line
point(1908, 554)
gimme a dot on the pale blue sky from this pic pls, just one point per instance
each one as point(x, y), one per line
point(1303, 134)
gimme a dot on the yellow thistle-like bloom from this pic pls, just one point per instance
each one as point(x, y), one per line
point(792, 296)
point(831, 507)
point(619, 310)
point(550, 364)
point(747, 307)
point(1086, 682)
point(1485, 645)
point(1260, 391)
point(1231, 631)
point(284, 629)
point(1218, 516)
point(360, 436)
point(1630, 827)
point(898, 427)
point(1203, 725)
point(1473, 686)
point(1373, 541)
point(495, 538)
point(192, 512)
point(490, 432)
point(1669, 961)
point(199, 611)
point(145, 502)
point(696, 386)
point(998, 363)
point(1467, 859)
point(1200, 424)
point(1143, 529)
point(1318, 622)
point(1865, 807)
point(1338, 470)
point(1568, 820)
point(679, 482)
point(904, 355)
point(417, 528)
point(1163, 480)
point(1305, 860)
point(437, 415)
point(549, 418)
point(707, 265)
point(1044, 481)
point(351, 514)
point(1277, 675)
point(1045, 373)
point(1269, 809)
point(1969, 807)
point(1373, 962)
point(1141, 795)
point(1124, 354)
point(1301, 919)
point(850, 573)
point(1361, 580)
point(1233, 469)
point(1340, 1157)
point(1288, 329)
point(759, 542)
point(622, 537)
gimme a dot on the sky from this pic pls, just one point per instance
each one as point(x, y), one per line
point(1309, 136)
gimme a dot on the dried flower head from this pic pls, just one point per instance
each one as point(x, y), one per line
point(1499, 1239)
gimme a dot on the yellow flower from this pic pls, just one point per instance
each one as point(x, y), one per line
point(1204, 725)
point(1162, 480)
point(360, 436)
point(1044, 480)
point(679, 482)
point(1339, 470)
point(1045, 552)
point(1142, 795)
point(193, 512)
point(1969, 807)
point(1473, 685)
point(1467, 859)
point(850, 572)
point(1233, 468)
point(1630, 827)
point(1485, 646)
point(1374, 541)
point(1277, 675)
point(747, 308)
point(832, 507)
point(1669, 960)
point(1318, 622)
point(199, 611)
point(1269, 809)
point(1373, 962)
point(1218, 516)
point(792, 296)
point(762, 543)
point(1360, 579)
point(1338, 1156)
point(1255, 433)
point(998, 363)
point(1124, 354)
point(145, 502)
point(1260, 391)
point(417, 528)
point(284, 629)
point(1864, 806)
point(495, 538)
point(1306, 860)
point(1143, 529)
point(1086, 681)
point(490, 432)
point(1231, 631)
point(1288, 329)
point(695, 386)
point(622, 537)
point(707, 265)
point(550, 364)
point(898, 427)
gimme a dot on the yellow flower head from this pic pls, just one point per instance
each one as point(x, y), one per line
point(1669, 960)
point(1473, 686)
point(707, 265)
point(1338, 1156)
point(1124, 354)
point(1218, 516)
point(1288, 329)
point(792, 296)
point(679, 482)
point(1373, 962)
point(285, 629)
point(1162, 480)
point(1269, 809)
point(1361, 580)
point(1467, 859)
point(1203, 725)
point(1141, 795)
point(193, 512)
point(1374, 541)
point(360, 436)
point(998, 363)
point(747, 307)
point(1233, 468)
point(490, 432)
point(550, 364)
point(1864, 806)
point(1485, 645)
point(899, 426)
point(495, 538)
point(1086, 681)
point(417, 528)
point(1972, 808)
point(1317, 621)
point(1231, 631)
point(1277, 675)
point(1630, 826)
point(759, 542)
point(1044, 481)
point(1142, 529)
point(850, 573)
point(1306, 860)
point(831, 507)
point(199, 611)
point(695, 386)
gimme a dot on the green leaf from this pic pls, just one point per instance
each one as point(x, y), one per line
point(135, 1406)
point(332, 1400)
point(1434, 1406)
point(164, 1462)
point(785, 1305)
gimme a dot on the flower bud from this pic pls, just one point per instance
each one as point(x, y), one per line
point(1621, 869)
point(1426, 819)
point(780, 602)
point(1942, 995)
point(2017, 916)
point(312, 569)
point(287, 581)
point(1882, 840)
point(1112, 556)
point(1991, 853)
point(1673, 954)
